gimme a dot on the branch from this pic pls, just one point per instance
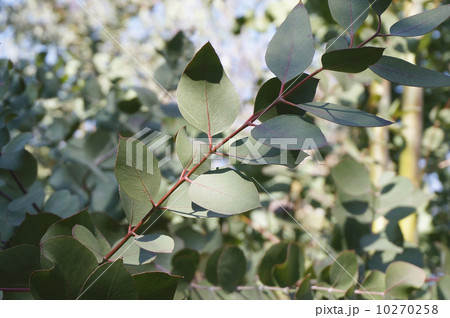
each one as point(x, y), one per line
point(22, 188)
point(7, 197)
point(377, 33)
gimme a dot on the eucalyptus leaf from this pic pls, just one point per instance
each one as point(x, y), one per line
point(65, 226)
point(421, 23)
point(185, 263)
point(404, 73)
point(180, 203)
point(304, 289)
point(33, 228)
point(156, 285)
point(155, 243)
point(206, 97)
point(190, 152)
point(224, 191)
point(132, 254)
point(226, 267)
point(137, 170)
point(134, 210)
point(349, 14)
point(251, 152)
point(291, 50)
point(344, 115)
point(402, 278)
point(73, 261)
point(338, 43)
point(271, 89)
point(374, 283)
point(110, 281)
point(353, 60)
point(289, 132)
point(379, 6)
point(97, 244)
point(16, 265)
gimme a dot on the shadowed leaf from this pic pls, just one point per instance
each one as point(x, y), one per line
point(405, 73)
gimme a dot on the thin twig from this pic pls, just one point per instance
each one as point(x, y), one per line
point(7, 197)
point(22, 188)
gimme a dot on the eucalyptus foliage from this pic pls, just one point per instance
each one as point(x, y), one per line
point(55, 249)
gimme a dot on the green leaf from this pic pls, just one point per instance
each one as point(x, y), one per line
point(291, 50)
point(108, 226)
point(137, 170)
point(65, 226)
point(180, 203)
point(226, 267)
point(206, 97)
point(421, 23)
point(185, 263)
point(97, 244)
point(49, 284)
point(110, 281)
point(304, 289)
point(353, 60)
point(16, 265)
point(288, 272)
point(289, 132)
point(281, 265)
point(129, 106)
point(132, 254)
point(402, 278)
point(404, 73)
point(72, 261)
point(33, 228)
point(349, 14)
point(155, 243)
point(190, 152)
point(351, 177)
point(224, 191)
point(344, 271)
point(374, 282)
point(25, 202)
point(134, 210)
point(379, 6)
point(156, 285)
point(63, 203)
point(270, 91)
point(338, 43)
point(344, 115)
point(251, 152)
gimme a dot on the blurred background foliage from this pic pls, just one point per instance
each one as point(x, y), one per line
point(75, 74)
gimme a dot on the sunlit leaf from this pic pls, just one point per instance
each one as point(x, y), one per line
point(402, 278)
point(137, 170)
point(224, 191)
point(206, 97)
point(291, 49)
